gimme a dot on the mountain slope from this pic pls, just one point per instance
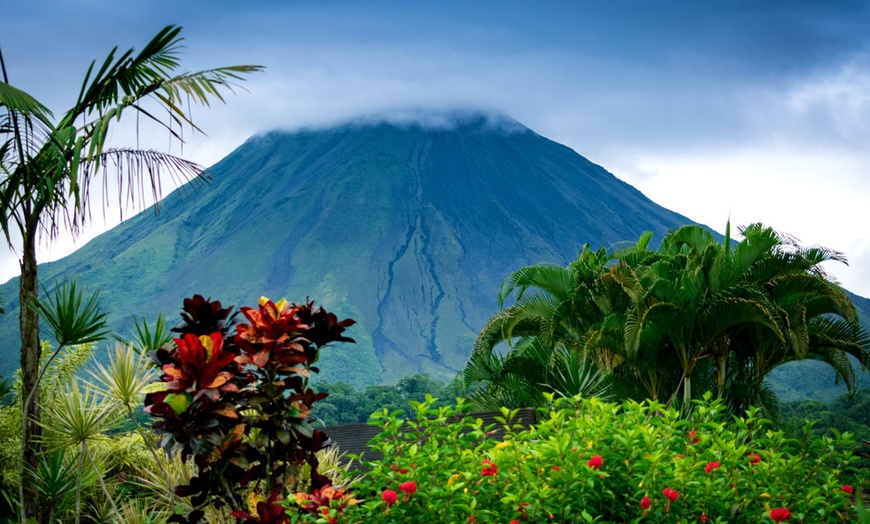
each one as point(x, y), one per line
point(406, 228)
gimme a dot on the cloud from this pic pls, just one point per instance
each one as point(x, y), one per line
point(802, 193)
point(757, 109)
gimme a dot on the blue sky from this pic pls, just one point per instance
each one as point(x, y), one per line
point(757, 110)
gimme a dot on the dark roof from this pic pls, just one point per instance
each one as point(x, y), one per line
point(353, 439)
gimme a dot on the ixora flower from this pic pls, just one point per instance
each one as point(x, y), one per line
point(489, 469)
point(671, 494)
point(780, 514)
point(595, 462)
point(711, 466)
point(703, 518)
point(754, 458)
point(848, 489)
point(645, 503)
point(408, 487)
point(692, 438)
point(390, 497)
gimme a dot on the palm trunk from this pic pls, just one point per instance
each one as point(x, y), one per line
point(30, 355)
point(687, 393)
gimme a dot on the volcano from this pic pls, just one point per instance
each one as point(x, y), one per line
point(408, 228)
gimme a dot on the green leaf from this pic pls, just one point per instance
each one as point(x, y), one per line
point(179, 401)
point(72, 319)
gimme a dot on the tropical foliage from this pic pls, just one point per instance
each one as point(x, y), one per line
point(238, 404)
point(234, 411)
point(847, 413)
point(586, 460)
point(49, 167)
point(669, 324)
point(347, 405)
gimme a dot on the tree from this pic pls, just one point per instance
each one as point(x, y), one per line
point(48, 167)
point(668, 324)
point(558, 313)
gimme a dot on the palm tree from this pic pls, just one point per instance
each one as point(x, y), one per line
point(815, 317)
point(555, 312)
point(688, 305)
point(694, 315)
point(48, 167)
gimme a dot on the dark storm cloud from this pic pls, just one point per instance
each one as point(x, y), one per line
point(662, 92)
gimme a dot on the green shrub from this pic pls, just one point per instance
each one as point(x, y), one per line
point(592, 461)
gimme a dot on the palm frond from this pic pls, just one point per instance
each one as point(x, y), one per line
point(692, 237)
point(551, 279)
point(138, 176)
point(19, 101)
point(504, 326)
point(571, 375)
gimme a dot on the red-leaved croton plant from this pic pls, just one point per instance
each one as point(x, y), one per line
point(236, 399)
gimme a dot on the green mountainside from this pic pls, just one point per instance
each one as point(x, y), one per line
point(409, 229)
point(811, 380)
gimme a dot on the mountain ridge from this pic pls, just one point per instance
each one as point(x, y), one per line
point(407, 228)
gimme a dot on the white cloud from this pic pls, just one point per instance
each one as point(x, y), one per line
point(809, 194)
point(839, 102)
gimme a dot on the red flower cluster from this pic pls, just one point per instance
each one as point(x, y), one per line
point(595, 462)
point(703, 518)
point(645, 503)
point(780, 514)
point(489, 470)
point(848, 489)
point(711, 466)
point(671, 494)
point(692, 438)
point(408, 487)
point(754, 458)
point(521, 508)
point(390, 497)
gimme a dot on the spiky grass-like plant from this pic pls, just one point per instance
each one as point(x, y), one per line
point(149, 338)
point(137, 511)
point(159, 483)
point(74, 321)
point(55, 479)
point(123, 381)
point(81, 415)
